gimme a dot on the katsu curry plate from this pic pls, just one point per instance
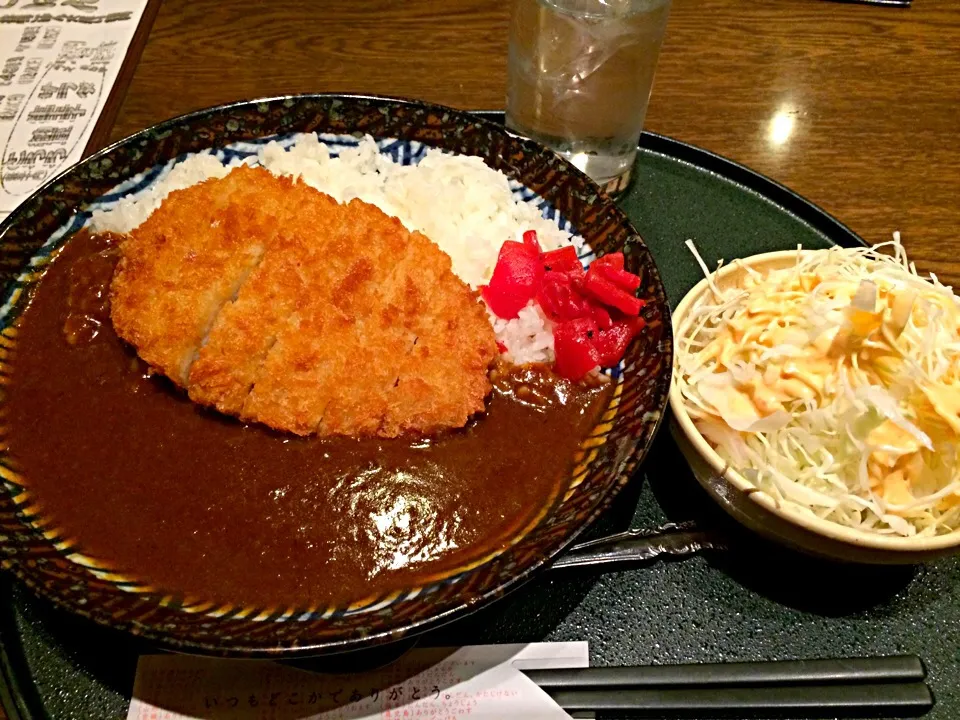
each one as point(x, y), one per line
point(304, 374)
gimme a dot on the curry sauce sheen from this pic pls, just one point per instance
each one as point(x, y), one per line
point(197, 504)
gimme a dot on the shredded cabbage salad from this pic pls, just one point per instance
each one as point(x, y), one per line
point(833, 385)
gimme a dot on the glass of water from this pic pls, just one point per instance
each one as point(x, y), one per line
point(580, 74)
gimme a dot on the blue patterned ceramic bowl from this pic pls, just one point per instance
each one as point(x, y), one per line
point(31, 546)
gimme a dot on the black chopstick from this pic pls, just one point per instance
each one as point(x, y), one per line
point(894, 668)
point(883, 700)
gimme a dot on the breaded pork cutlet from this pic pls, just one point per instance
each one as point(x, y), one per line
point(270, 301)
point(189, 258)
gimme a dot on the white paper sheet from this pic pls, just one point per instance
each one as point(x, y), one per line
point(58, 62)
point(480, 682)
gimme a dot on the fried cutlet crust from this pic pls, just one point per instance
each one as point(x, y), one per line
point(230, 359)
point(270, 301)
point(190, 257)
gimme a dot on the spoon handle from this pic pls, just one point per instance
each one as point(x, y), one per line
point(671, 541)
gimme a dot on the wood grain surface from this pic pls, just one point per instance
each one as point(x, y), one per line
point(873, 92)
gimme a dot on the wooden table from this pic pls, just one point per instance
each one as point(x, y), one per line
point(873, 93)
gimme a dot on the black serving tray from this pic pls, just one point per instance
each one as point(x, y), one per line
point(752, 602)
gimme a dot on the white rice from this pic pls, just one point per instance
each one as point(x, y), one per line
point(459, 202)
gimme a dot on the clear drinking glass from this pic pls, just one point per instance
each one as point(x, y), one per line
point(580, 74)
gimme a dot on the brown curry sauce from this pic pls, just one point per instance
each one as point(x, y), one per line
point(197, 504)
